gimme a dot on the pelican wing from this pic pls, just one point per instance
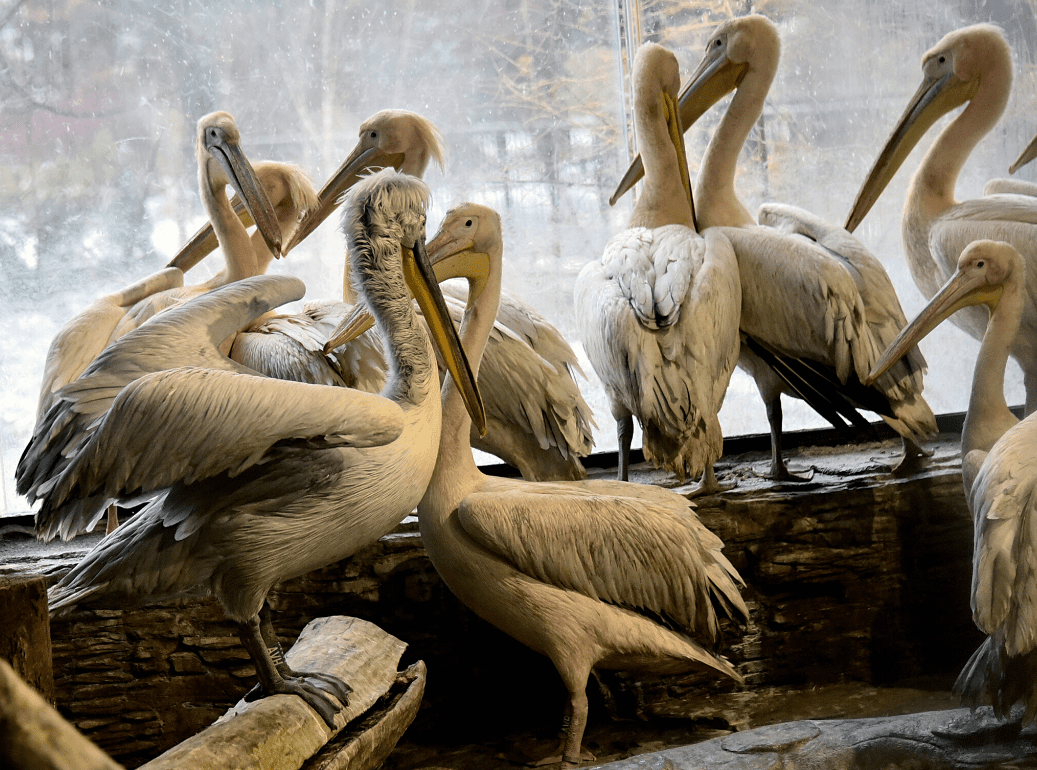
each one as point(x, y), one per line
point(1003, 500)
point(187, 424)
point(883, 313)
point(86, 334)
point(647, 552)
point(287, 347)
point(675, 378)
point(1010, 186)
point(801, 301)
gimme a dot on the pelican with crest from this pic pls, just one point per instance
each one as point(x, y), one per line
point(258, 479)
point(583, 572)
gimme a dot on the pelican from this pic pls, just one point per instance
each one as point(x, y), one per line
point(262, 479)
point(537, 420)
point(581, 571)
point(999, 478)
point(658, 313)
point(811, 293)
point(971, 66)
point(81, 340)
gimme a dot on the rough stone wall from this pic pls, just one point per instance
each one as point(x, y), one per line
point(863, 579)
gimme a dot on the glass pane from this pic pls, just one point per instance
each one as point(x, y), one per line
point(98, 103)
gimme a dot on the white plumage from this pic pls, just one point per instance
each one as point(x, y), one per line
point(269, 480)
point(579, 571)
point(658, 313)
point(971, 66)
point(1000, 482)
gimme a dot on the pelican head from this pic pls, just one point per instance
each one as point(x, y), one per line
point(952, 73)
point(736, 47)
point(391, 138)
point(468, 240)
point(385, 233)
point(288, 188)
point(221, 162)
point(984, 268)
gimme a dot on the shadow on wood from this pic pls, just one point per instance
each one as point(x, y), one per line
point(34, 736)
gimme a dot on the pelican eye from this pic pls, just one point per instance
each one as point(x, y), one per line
point(981, 263)
point(374, 134)
point(942, 59)
point(468, 223)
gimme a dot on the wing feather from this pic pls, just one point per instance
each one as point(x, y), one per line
point(649, 553)
point(1003, 499)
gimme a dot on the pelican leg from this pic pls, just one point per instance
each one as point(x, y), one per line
point(779, 471)
point(113, 519)
point(271, 682)
point(913, 458)
point(327, 682)
point(709, 484)
point(625, 433)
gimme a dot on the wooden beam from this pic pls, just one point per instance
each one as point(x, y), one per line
point(282, 732)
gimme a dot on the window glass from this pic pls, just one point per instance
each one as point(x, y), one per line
point(98, 104)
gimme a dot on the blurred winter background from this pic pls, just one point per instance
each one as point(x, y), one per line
point(98, 103)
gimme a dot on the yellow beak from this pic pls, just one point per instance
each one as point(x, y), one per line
point(253, 207)
point(962, 290)
point(933, 99)
point(359, 163)
point(715, 77)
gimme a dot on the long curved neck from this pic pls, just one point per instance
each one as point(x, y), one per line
point(663, 200)
point(230, 232)
point(716, 202)
point(415, 162)
point(989, 416)
point(456, 470)
point(411, 377)
point(931, 190)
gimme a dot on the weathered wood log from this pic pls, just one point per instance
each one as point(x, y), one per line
point(33, 736)
point(365, 745)
point(281, 732)
point(912, 740)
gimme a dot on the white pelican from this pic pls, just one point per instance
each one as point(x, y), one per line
point(973, 65)
point(811, 293)
point(80, 340)
point(264, 479)
point(579, 571)
point(1000, 481)
point(537, 420)
point(658, 312)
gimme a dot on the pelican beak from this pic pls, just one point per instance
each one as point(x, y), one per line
point(1025, 156)
point(363, 160)
point(356, 322)
point(420, 276)
point(962, 290)
point(934, 99)
point(246, 184)
point(715, 77)
point(457, 258)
